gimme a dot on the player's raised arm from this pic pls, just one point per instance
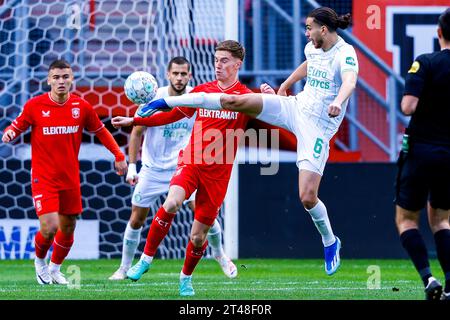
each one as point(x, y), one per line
point(120, 121)
point(295, 76)
point(155, 120)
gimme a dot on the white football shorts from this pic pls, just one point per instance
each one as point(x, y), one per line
point(151, 185)
point(287, 112)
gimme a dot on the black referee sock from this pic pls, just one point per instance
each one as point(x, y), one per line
point(442, 240)
point(413, 242)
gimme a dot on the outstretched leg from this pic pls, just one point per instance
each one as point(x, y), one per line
point(309, 186)
point(250, 104)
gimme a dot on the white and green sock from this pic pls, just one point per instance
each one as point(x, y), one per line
point(215, 239)
point(319, 216)
point(131, 240)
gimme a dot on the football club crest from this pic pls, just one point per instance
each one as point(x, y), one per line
point(137, 197)
point(75, 113)
point(38, 205)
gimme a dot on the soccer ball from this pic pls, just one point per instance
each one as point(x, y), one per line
point(140, 87)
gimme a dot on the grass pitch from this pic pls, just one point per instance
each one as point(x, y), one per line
point(260, 279)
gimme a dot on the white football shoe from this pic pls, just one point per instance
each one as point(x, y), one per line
point(120, 274)
point(42, 274)
point(58, 277)
point(228, 267)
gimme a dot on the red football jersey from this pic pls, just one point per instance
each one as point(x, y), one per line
point(56, 134)
point(216, 133)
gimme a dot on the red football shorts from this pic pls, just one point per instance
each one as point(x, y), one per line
point(61, 201)
point(210, 191)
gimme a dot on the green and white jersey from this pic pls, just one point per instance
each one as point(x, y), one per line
point(162, 144)
point(324, 79)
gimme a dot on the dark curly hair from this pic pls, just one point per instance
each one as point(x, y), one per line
point(325, 16)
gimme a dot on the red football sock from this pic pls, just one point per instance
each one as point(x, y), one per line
point(158, 230)
point(61, 246)
point(41, 245)
point(193, 256)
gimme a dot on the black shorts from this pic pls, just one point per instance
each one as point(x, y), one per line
point(423, 174)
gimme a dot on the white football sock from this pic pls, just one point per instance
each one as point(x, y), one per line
point(204, 100)
point(131, 240)
point(53, 267)
point(215, 239)
point(320, 218)
point(183, 276)
point(146, 258)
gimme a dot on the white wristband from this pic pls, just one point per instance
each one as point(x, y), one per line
point(131, 171)
point(132, 167)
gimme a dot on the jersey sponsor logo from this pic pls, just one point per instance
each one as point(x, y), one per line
point(175, 135)
point(60, 130)
point(75, 113)
point(218, 114)
point(75, 103)
point(414, 67)
point(350, 61)
point(176, 131)
point(318, 84)
point(177, 125)
point(313, 74)
point(46, 114)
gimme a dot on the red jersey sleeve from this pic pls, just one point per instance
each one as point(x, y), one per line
point(160, 119)
point(92, 121)
point(108, 141)
point(24, 120)
point(189, 112)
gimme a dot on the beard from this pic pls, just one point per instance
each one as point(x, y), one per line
point(178, 90)
point(319, 43)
